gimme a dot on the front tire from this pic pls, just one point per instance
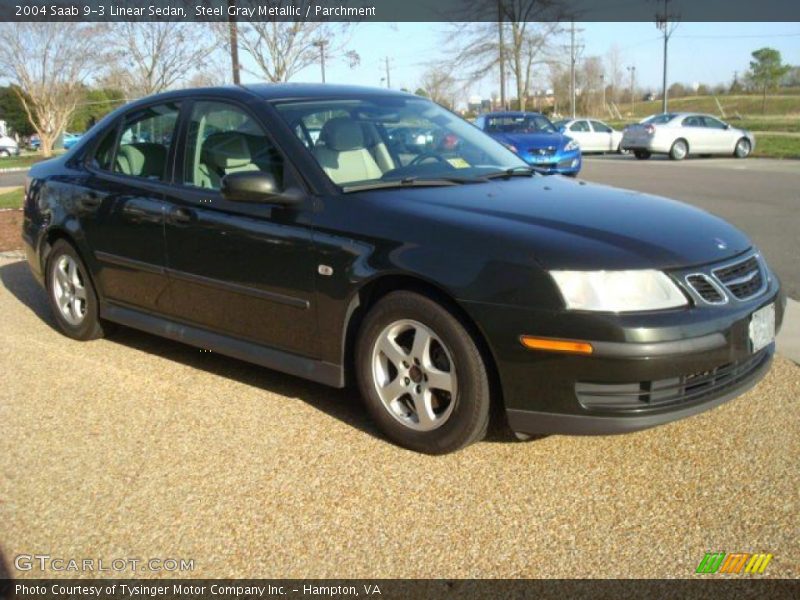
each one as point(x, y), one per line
point(421, 375)
point(679, 150)
point(641, 154)
point(71, 294)
point(742, 149)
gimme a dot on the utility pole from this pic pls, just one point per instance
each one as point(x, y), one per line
point(388, 78)
point(501, 54)
point(234, 42)
point(603, 86)
point(572, 68)
point(321, 45)
point(667, 27)
point(632, 71)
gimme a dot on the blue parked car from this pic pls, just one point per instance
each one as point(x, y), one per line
point(535, 139)
point(70, 139)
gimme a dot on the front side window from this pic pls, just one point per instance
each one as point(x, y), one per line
point(601, 127)
point(145, 142)
point(363, 141)
point(713, 123)
point(223, 139)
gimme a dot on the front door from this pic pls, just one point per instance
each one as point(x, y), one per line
point(121, 207)
point(239, 268)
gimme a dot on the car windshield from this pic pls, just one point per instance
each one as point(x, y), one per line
point(518, 124)
point(383, 140)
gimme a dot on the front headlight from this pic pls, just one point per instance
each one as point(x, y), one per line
point(618, 291)
point(571, 145)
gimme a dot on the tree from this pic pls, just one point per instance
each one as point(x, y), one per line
point(97, 104)
point(766, 71)
point(48, 64)
point(439, 85)
point(280, 49)
point(153, 57)
point(615, 70)
point(525, 42)
point(13, 112)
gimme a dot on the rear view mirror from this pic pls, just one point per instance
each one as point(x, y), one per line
point(258, 187)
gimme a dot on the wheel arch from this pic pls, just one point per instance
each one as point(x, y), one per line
point(49, 239)
point(377, 288)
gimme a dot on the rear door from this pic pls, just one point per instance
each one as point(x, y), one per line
point(121, 207)
point(694, 131)
point(243, 269)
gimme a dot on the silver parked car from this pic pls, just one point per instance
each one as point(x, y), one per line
point(682, 134)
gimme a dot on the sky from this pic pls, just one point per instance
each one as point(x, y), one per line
point(698, 52)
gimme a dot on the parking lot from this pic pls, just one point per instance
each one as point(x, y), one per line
point(135, 446)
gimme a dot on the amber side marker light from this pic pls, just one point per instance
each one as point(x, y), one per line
point(571, 346)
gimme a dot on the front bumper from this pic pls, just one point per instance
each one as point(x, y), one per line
point(646, 369)
point(565, 163)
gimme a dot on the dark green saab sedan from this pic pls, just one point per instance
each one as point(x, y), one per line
point(350, 234)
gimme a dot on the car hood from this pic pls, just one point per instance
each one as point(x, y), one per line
point(565, 224)
point(523, 141)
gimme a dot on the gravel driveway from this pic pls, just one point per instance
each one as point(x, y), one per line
point(141, 447)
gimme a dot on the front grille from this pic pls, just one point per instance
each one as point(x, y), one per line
point(743, 279)
point(549, 151)
point(638, 396)
point(706, 288)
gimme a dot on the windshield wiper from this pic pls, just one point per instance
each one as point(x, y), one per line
point(413, 181)
point(521, 171)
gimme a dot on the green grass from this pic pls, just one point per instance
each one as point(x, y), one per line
point(24, 160)
point(744, 106)
point(12, 199)
point(776, 146)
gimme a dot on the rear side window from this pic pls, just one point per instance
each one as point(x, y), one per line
point(145, 142)
point(659, 119)
point(693, 122)
point(579, 126)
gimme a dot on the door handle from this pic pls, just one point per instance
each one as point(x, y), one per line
point(181, 215)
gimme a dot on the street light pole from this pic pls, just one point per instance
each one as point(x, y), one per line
point(663, 23)
point(632, 71)
point(234, 43)
point(501, 54)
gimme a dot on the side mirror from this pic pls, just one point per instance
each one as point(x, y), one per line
point(257, 187)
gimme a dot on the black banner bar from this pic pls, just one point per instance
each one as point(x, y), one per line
point(397, 10)
point(256, 589)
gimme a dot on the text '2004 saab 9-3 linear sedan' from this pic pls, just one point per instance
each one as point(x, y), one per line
point(284, 225)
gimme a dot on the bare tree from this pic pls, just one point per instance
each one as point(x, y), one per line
point(439, 85)
point(49, 62)
point(153, 57)
point(525, 42)
point(280, 49)
point(614, 70)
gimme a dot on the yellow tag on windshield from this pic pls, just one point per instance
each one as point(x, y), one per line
point(458, 163)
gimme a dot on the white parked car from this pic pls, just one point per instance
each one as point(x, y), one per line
point(8, 146)
point(592, 135)
point(682, 134)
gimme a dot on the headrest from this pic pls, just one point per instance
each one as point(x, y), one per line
point(342, 134)
point(226, 150)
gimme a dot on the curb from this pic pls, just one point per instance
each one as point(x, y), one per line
point(12, 254)
point(13, 170)
point(788, 340)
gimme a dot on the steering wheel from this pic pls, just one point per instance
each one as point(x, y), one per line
point(425, 156)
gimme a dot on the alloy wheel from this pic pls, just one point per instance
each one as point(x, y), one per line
point(69, 290)
point(414, 375)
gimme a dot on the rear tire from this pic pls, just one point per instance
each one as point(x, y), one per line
point(71, 294)
point(679, 150)
point(641, 154)
point(409, 353)
point(742, 149)
point(4, 153)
